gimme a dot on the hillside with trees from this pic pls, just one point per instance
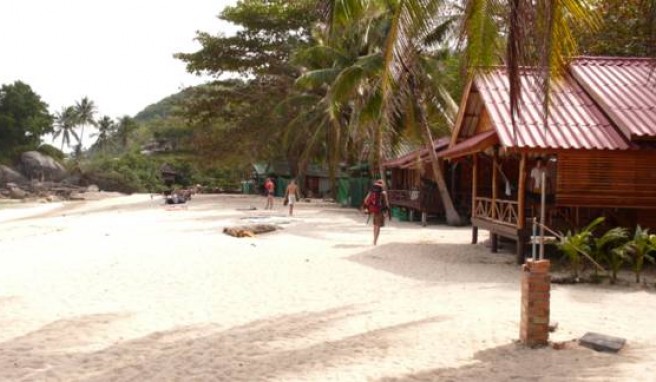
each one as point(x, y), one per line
point(323, 83)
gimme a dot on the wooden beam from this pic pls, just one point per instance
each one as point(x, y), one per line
point(457, 126)
point(474, 182)
point(521, 193)
point(495, 191)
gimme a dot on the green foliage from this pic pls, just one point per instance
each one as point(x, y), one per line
point(130, 173)
point(65, 121)
point(638, 250)
point(575, 245)
point(625, 30)
point(239, 121)
point(51, 151)
point(24, 118)
point(163, 109)
point(607, 250)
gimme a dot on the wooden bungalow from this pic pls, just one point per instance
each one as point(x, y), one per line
point(411, 183)
point(598, 144)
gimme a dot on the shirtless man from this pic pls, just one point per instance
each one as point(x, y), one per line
point(269, 189)
point(291, 194)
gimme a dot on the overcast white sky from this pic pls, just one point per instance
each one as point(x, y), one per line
point(119, 53)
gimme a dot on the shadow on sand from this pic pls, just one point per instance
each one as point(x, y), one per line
point(260, 350)
point(515, 362)
point(442, 263)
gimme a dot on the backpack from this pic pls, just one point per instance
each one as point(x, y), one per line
point(374, 202)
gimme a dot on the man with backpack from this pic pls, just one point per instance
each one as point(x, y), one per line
point(377, 205)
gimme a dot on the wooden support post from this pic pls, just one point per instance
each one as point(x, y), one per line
point(412, 215)
point(495, 191)
point(474, 234)
point(521, 193)
point(474, 182)
point(424, 218)
point(521, 246)
point(495, 242)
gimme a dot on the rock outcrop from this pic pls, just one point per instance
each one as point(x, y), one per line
point(38, 166)
point(9, 175)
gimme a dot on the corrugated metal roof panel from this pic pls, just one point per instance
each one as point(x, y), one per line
point(625, 88)
point(419, 154)
point(574, 122)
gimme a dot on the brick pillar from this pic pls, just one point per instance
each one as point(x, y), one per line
point(536, 286)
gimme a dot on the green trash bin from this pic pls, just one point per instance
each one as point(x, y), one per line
point(246, 187)
point(400, 214)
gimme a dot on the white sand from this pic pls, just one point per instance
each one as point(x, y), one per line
point(124, 289)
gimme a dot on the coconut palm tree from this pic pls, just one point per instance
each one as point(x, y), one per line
point(65, 126)
point(85, 111)
point(409, 86)
point(106, 127)
point(340, 76)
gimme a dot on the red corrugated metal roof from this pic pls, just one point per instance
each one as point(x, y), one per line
point(623, 87)
point(471, 145)
point(574, 121)
point(405, 160)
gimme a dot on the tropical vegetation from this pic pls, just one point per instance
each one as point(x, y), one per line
point(607, 252)
point(333, 82)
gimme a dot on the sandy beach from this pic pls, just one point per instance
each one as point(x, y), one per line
point(126, 289)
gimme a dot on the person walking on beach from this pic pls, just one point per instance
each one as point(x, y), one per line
point(377, 204)
point(291, 195)
point(269, 188)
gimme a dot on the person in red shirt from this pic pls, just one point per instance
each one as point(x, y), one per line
point(269, 188)
point(377, 204)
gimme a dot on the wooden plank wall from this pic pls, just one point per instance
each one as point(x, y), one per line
point(623, 179)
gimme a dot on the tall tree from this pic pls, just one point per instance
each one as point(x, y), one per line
point(414, 88)
point(260, 52)
point(106, 127)
point(125, 127)
point(85, 111)
point(342, 73)
point(24, 117)
point(65, 121)
point(627, 28)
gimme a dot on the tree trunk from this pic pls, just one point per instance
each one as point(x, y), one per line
point(378, 148)
point(81, 137)
point(452, 216)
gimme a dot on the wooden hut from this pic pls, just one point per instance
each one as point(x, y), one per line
point(411, 183)
point(597, 143)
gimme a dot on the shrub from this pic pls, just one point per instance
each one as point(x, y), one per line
point(639, 249)
point(575, 245)
point(52, 151)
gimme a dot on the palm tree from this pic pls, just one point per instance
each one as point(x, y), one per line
point(65, 126)
point(106, 127)
point(85, 111)
point(340, 78)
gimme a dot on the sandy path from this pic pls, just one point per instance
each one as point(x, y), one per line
point(124, 289)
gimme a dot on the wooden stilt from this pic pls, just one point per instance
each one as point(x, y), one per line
point(521, 245)
point(474, 234)
point(495, 242)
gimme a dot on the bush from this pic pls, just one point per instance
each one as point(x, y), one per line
point(130, 173)
point(52, 151)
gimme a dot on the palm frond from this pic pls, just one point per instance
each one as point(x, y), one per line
point(317, 78)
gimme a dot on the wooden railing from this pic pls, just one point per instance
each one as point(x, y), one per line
point(405, 198)
point(501, 211)
point(419, 200)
